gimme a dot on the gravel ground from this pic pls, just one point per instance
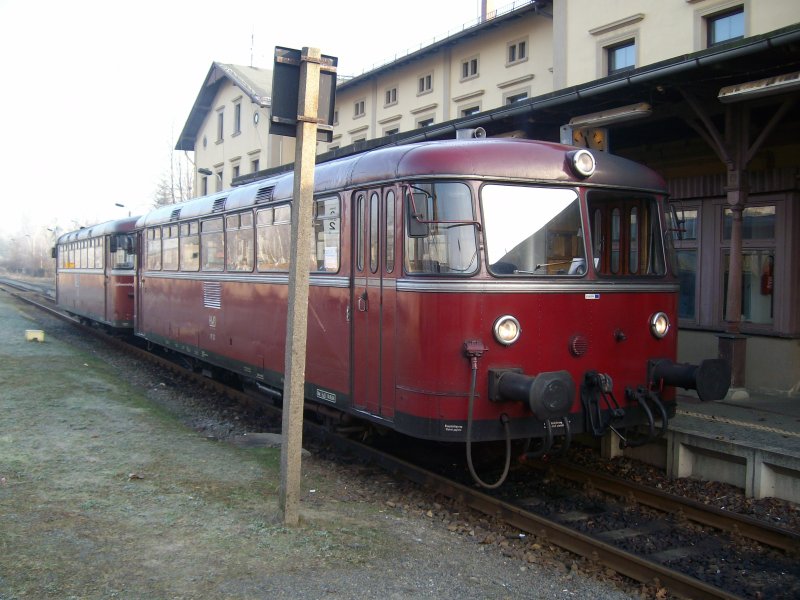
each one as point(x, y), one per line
point(110, 487)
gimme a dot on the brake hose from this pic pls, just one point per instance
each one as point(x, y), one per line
point(503, 418)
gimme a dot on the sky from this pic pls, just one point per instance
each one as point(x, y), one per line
point(94, 93)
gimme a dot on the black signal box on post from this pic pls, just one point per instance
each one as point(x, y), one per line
point(285, 94)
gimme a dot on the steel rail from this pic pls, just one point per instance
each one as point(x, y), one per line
point(759, 531)
point(625, 563)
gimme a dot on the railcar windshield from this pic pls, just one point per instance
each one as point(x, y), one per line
point(533, 231)
point(626, 234)
point(440, 229)
point(123, 251)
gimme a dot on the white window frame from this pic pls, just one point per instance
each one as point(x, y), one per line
point(220, 125)
point(425, 84)
point(516, 45)
point(359, 108)
point(390, 96)
point(470, 68)
point(237, 116)
point(719, 13)
point(508, 95)
point(609, 46)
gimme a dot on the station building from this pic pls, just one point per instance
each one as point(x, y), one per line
point(703, 91)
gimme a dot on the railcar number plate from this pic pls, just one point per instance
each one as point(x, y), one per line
point(326, 395)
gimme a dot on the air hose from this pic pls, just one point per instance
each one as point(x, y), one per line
point(504, 418)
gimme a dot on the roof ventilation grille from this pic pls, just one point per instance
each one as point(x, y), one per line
point(264, 194)
point(219, 205)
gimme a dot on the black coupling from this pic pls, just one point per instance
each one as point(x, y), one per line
point(711, 378)
point(548, 395)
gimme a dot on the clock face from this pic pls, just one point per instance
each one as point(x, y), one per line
point(255, 118)
point(595, 138)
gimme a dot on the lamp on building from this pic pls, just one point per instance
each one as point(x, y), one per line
point(208, 172)
point(770, 86)
point(612, 116)
point(122, 206)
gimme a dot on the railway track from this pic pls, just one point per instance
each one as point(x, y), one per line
point(576, 529)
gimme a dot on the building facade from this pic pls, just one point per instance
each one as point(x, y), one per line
point(228, 128)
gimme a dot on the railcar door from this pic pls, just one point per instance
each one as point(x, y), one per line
point(138, 282)
point(374, 293)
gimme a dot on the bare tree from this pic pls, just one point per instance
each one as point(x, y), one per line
point(177, 181)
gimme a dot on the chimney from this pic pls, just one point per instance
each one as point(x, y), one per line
point(487, 10)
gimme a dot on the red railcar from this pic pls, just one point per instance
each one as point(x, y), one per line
point(95, 269)
point(460, 291)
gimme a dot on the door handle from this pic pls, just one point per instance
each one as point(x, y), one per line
point(363, 302)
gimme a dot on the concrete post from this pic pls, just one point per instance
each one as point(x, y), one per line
point(297, 318)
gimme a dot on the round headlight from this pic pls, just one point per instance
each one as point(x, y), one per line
point(582, 162)
point(506, 330)
point(659, 325)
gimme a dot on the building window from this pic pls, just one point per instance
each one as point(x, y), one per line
point(235, 172)
point(391, 96)
point(425, 84)
point(758, 263)
point(725, 26)
point(426, 122)
point(469, 68)
point(684, 234)
point(254, 165)
point(237, 118)
point(469, 111)
point(621, 57)
point(517, 52)
point(220, 125)
point(204, 186)
point(218, 177)
point(391, 131)
point(516, 97)
point(359, 109)
point(336, 117)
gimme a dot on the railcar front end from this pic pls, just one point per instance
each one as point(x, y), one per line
point(541, 309)
point(95, 273)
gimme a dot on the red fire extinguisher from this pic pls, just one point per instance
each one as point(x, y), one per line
point(766, 278)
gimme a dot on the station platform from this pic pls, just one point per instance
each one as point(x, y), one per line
point(748, 440)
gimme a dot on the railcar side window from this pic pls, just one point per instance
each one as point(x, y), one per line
point(239, 241)
point(360, 199)
point(169, 241)
point(533, 231)
point(374, 235)
point(389, 231)
point(273, 228)
point(190, 246)
point(326, 235)
point(212, 247)
point(626, 234)
point(440, 237)
point(98, 253)
point(154, 249)
point(84, 254)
